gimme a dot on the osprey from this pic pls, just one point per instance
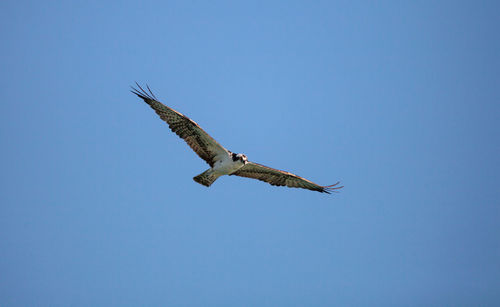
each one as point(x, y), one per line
point(221, 160)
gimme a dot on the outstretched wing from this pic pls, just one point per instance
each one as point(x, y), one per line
point(201, 142)
point(281, 178)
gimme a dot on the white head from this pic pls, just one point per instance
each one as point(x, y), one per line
point(239, 157)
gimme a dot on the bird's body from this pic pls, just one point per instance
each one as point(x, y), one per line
point(222, 161)
point(225, 165)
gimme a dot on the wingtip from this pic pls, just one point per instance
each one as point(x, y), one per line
point(143, 94)
point(329, 189)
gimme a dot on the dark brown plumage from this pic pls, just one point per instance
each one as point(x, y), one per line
point(201, 142)
point(281, 178)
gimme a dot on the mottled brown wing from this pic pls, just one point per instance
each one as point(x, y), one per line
point(202, 143)
point(281, 178)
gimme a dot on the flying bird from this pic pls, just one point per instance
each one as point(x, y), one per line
point(221, 160)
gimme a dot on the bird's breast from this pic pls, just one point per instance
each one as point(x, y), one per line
point(227, 166)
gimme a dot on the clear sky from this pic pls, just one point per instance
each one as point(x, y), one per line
point(398, 100)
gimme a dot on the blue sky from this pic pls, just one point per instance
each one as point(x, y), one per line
point(397, 100)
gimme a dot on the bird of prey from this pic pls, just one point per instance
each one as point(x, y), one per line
point(221, 160)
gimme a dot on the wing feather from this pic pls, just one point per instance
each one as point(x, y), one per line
point(282, 178)
point(201, 142)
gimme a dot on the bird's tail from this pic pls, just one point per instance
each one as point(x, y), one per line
point(206, 178)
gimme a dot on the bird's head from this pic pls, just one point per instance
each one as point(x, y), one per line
point(243, 159)
point(240, 157)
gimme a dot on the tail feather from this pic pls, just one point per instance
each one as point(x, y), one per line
point(206, 178)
